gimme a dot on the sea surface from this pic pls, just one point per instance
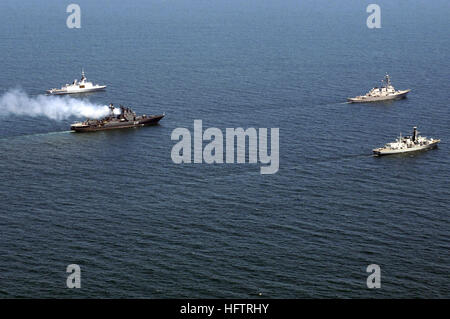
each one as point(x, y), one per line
point(140, 226)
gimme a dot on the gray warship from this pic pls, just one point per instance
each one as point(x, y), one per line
point(125, 119)
point(384, 93)
point(83, 86)
point(407, 144)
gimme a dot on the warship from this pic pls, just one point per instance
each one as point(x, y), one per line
point(83, 86)
point(125, 119)
point(384, 93)
point(407, 144)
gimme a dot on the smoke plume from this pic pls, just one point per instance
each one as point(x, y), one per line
point(17, 102)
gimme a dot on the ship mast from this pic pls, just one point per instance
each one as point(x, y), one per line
point(388, 80)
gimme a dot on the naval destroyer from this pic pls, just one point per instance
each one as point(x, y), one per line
point(83, 86)
point(125, 119)
point(407, 144)
point(384, 93)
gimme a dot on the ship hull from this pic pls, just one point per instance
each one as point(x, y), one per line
point(153, 120)
point(381, 152)
point(398, 96)
point(62, 92)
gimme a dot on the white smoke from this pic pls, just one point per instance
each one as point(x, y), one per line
point(54, 107)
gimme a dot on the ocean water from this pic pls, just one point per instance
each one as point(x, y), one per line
point(141, 226)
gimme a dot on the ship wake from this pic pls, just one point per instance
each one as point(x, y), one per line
point(17, 102)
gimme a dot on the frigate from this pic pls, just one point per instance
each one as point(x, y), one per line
point(383, 93)
point(82, 86)
point(124, 117)
point(407, 144)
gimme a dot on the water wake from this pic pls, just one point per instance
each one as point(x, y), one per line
point(17, 102)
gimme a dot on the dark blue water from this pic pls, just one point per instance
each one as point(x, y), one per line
point(141, 226)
